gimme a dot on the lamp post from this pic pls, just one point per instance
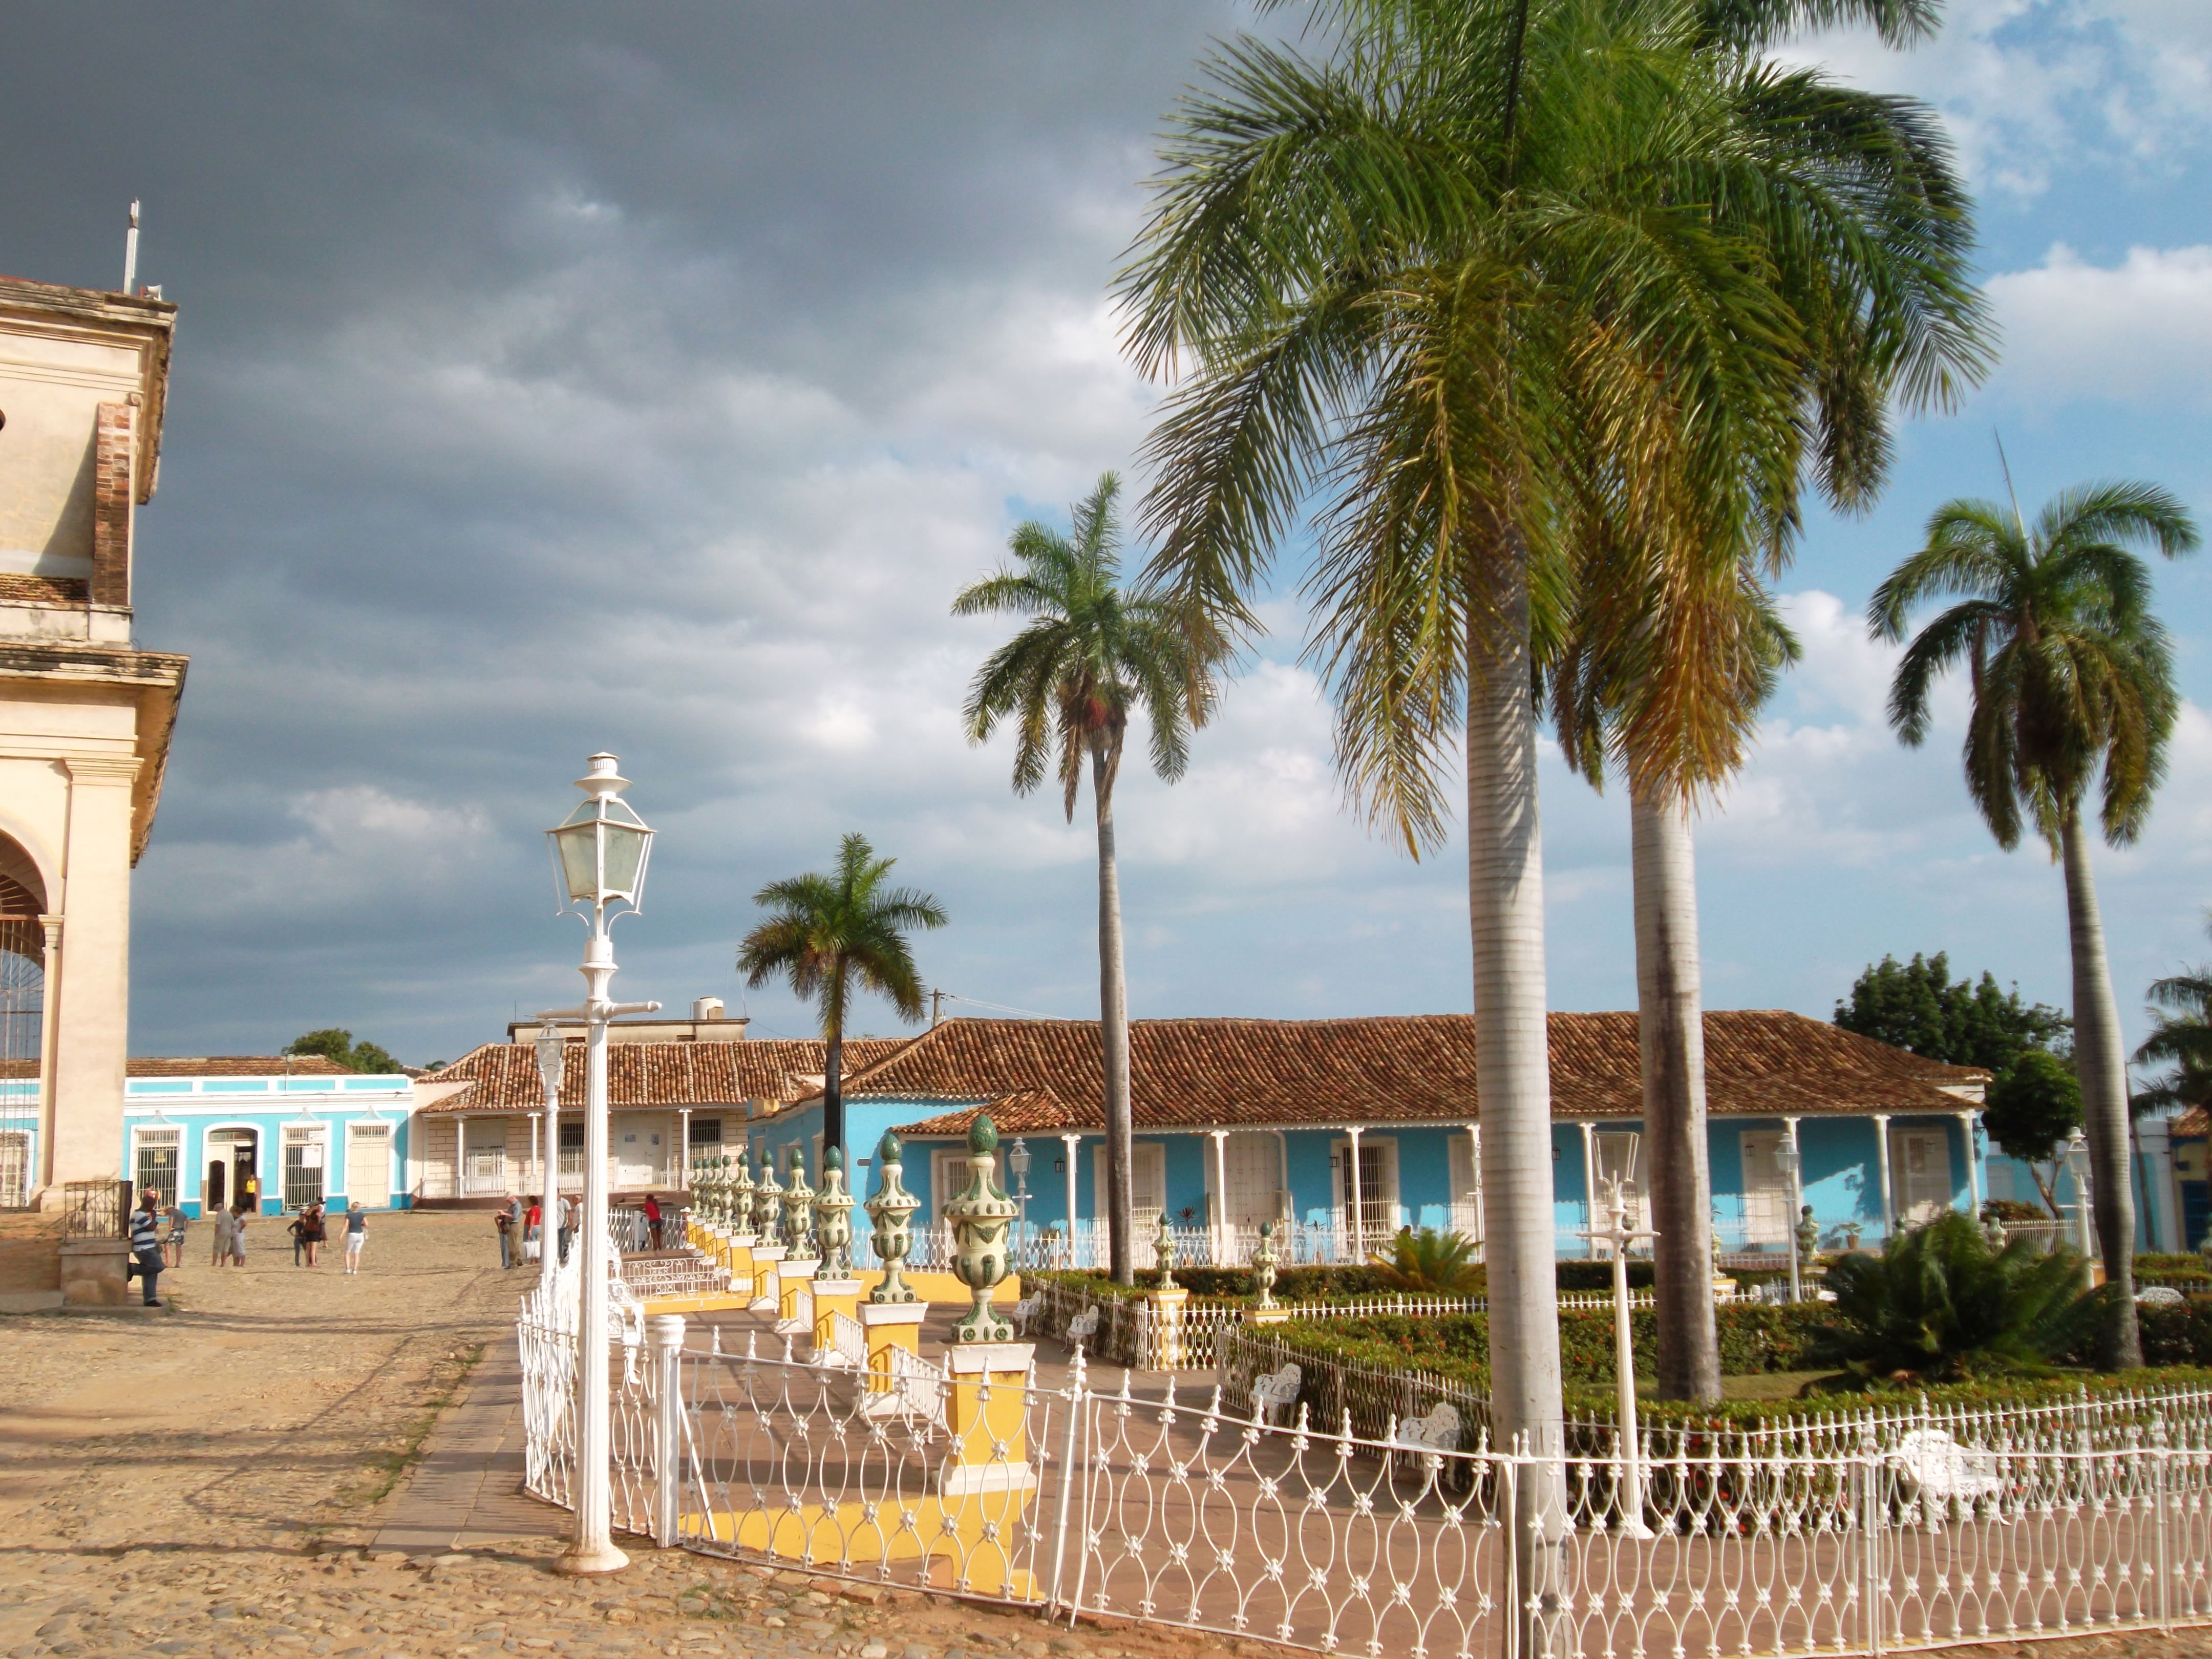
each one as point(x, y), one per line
point(550, 1057)
point(600, 854)
point(1785, 1160)
point(2078, 1165)
point(1018, 1165)
point(1618, 1234)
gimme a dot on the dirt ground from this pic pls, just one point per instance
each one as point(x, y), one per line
point(206, 1480)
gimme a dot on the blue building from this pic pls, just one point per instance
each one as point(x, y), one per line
point(281, 1132)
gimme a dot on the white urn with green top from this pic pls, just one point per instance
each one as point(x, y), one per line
point(740, 1201)
point(799, 1209)
point(768, 1202)
point(981, 1215)
point(892, 1209)
point(833, 1213)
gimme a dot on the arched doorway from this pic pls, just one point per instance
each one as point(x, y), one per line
point(22, 1025)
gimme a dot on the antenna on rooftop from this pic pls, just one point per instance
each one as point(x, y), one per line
point(130, 251)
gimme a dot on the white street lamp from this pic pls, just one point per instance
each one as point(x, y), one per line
point(2078, 1165)
point(1018, 1165)
point(599, 860)
point(1620, 1235)
point(1785, 1160)
point(550, 1056)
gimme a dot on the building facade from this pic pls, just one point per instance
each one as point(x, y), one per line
point(277, 1134)
point(85, 715)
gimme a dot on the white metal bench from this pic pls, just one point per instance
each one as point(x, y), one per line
point(1940, 1468)
point(1437, 1432)
point(1083, 1326)
point(1025, 1310)
point(1276, 1391)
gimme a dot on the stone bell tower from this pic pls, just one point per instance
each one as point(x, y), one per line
point(85, 715)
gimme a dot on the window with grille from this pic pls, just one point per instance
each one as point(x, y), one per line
point(158, 1150)
point(572, 1149)
point(14, 1170)
point(706, 1132)
point(303, 1168)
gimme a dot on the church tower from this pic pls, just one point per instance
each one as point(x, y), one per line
point(85, 716)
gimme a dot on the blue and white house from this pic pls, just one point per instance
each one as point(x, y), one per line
point(281, 1132)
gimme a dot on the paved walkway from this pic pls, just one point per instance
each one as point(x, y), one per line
point(467, 1489)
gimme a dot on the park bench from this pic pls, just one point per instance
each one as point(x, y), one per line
point(1276, 1391)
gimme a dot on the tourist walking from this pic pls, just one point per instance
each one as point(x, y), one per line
point(533, 1233)
point(221, 1231)
point(238, 1235)
point(568, 1217)
point(174, 1250)
point(504, 1221)
point(146, 1260)
point(312, 1231)
point(356, 1220)
point(652, 1219)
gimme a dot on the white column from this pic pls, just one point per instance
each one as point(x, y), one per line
point(1474, 1162)
point(1589, 1185)
point(1220, 1197)
point(1071, 1142)
point(1973, 1167)
point(1882, 1167)
point(1358, 1226)
point(594, 1549)
point(684, 1151)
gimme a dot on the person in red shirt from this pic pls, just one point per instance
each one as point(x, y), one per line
point(652, 1219)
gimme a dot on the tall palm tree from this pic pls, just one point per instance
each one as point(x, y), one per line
point(1489, 259)
point(1669, 661)
point(832, 935)
point(2073, 688)
point(2181, 1038)
point(1096, 651)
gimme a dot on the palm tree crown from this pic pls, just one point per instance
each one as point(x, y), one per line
point(1095, 651)
point(830, 935)
point(2071, 672)
point(2180, 1038)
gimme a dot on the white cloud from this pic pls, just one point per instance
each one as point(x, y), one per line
point(2140, 331)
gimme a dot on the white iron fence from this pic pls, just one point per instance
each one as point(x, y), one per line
point(1859, 1534)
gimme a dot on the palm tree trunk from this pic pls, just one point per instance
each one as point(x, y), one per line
point(1671, 1036)
point(1113, 1029)
point(1513, 1080)
point(2100, 1063)
point(833, 1095)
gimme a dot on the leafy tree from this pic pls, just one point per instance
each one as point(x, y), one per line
point(1430, 1262)
point(340, 1049)
point(1919, 1006)
point(1097, 651)
point(2181, 1040)
point(1938, 1305)
point(2073, 690)
point(1499, 280)
point(830, 935)
point(2033, 1105)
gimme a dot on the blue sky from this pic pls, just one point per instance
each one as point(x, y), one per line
point(551, 379)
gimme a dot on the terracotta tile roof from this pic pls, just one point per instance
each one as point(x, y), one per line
point(503, 1076)
point(236, 1065)
point(2191, 1125)
point(1202, 1074)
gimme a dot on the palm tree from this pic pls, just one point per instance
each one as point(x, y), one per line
point(1097, 652)
point(831, 935)
point(1458, 280)
point(2180, 1037)
point(2072, 686)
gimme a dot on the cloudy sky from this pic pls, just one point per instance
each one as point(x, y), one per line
point(554, 379)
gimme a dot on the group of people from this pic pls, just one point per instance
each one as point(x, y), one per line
point(522, 1228)
point(157, 1239)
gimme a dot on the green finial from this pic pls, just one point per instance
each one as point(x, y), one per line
point(982, 1134)
point(833, 1158)
point(893, 1150)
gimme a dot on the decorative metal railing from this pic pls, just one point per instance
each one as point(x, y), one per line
point(1423, 1538)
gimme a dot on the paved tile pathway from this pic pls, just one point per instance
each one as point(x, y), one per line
point(467, 1489)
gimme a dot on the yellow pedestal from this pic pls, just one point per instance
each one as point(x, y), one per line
point(1167, 1327)
point(970, 1522)
point(889, 1325)
point(833, 1296)
point(1267, 1315)
point(796, 1281)
point(767, 1286)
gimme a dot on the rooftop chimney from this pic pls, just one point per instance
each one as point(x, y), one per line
point(131, 252)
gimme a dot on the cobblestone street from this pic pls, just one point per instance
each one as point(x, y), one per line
point(212, 1478)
